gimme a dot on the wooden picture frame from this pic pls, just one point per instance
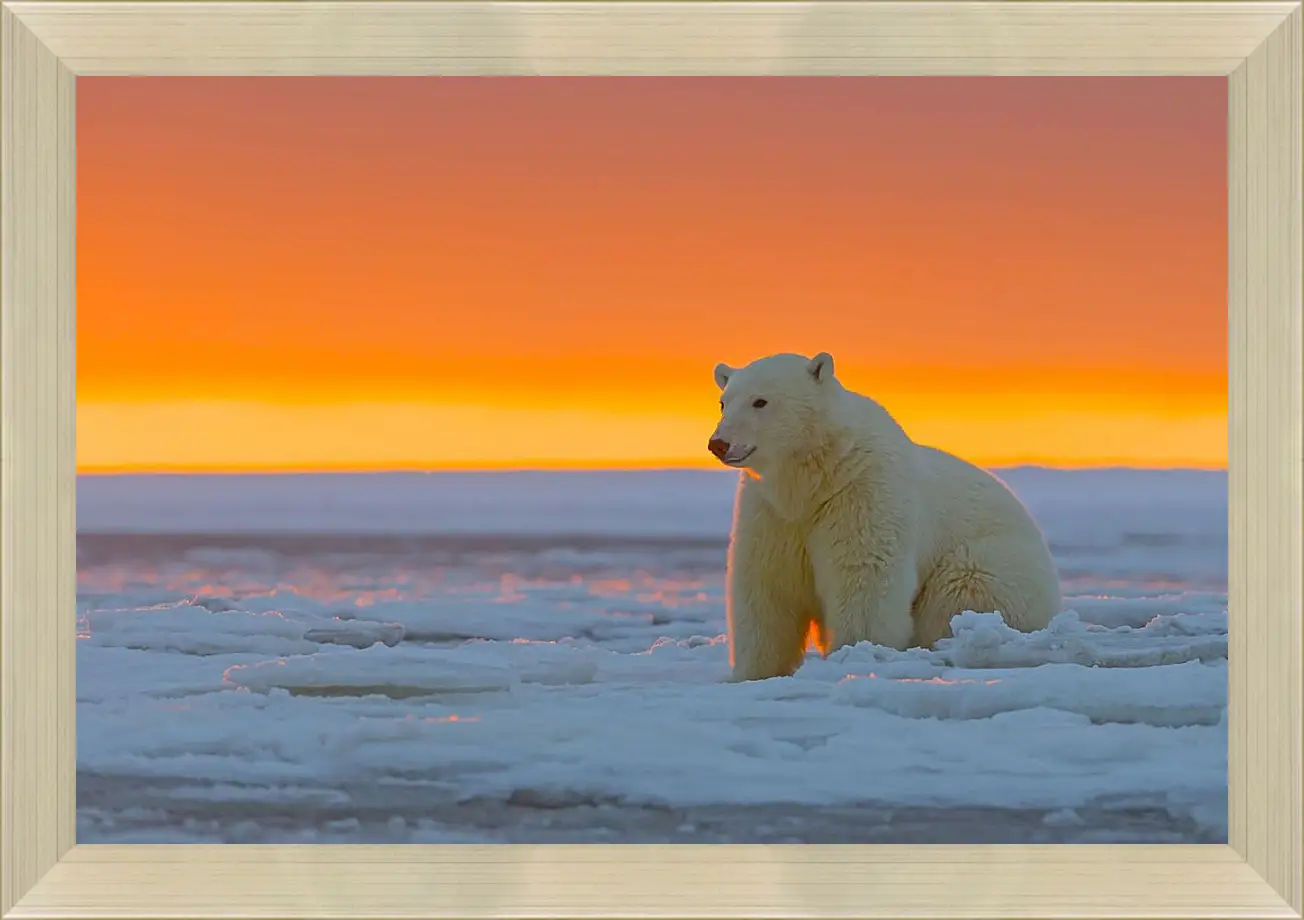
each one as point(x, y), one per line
point(46, 45)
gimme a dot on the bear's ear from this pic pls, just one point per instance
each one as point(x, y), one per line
point(722, 374)
point(821, 366)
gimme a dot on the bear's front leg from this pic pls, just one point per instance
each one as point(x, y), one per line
point(866, 577)
point(769, 592)
point(869, 603)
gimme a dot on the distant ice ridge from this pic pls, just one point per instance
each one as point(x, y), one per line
point(643, 503)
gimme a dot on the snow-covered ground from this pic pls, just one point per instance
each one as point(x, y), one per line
point(539, 657)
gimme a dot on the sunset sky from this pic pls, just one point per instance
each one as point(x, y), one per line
point(384, 273)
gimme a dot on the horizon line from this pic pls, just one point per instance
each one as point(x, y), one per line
point(546, 467)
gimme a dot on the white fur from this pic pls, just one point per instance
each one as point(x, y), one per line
point(844, 525)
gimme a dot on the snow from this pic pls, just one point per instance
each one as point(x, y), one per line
point(539, 658)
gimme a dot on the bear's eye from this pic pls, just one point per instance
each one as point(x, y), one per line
point(758, 404)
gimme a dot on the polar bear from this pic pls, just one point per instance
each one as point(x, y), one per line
point(846, 529)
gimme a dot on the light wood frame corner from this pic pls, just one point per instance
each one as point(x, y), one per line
point(46, 45)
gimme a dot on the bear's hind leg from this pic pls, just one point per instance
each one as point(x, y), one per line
point(985, 576)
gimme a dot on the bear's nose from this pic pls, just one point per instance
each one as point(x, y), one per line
point(718, 447)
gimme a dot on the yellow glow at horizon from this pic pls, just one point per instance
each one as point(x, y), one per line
point(1053, 430)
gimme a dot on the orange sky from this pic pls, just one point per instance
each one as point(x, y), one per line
point(303, 273)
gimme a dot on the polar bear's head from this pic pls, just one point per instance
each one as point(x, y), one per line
point(768, 408)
